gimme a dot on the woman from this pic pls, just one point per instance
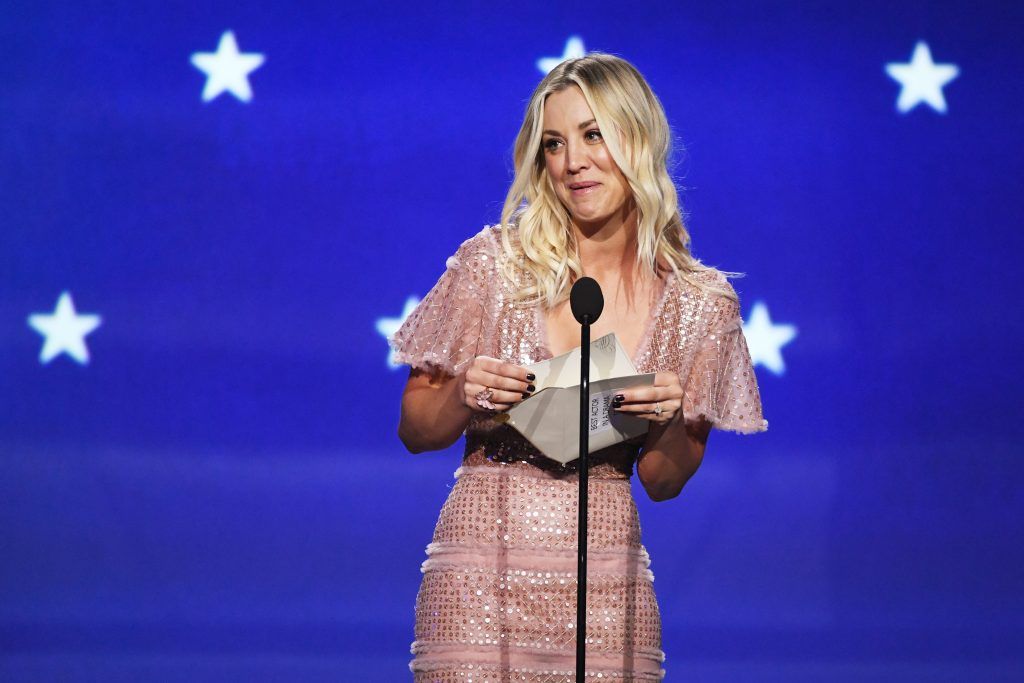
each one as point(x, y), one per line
point(591, 196)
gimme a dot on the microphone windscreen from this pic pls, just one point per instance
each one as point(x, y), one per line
point(586, 299)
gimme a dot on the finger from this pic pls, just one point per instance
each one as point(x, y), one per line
point(509, 384)
point(502, 369)
point(647, 395)
point(635, 408)
point(495, 381)
point(496, 396)
point(667, 408)
point(507, 397)
point(488, 406)
point(498, 407)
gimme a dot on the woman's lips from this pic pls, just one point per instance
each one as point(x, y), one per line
point(586, 188)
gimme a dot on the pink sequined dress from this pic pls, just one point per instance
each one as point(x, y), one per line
point(498, 597)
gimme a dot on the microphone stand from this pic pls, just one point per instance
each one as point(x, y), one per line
point(581, 553)
point(586, 302)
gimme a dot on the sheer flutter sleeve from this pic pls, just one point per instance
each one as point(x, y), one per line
point(721, 386)
point(444, 331)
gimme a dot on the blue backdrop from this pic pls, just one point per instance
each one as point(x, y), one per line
point(212, 213)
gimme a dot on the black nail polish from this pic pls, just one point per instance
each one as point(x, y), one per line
point(526, 395)
point(531, 388)
point(530, 376)
point(620, 398)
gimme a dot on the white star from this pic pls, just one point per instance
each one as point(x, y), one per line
point(227, 69)
point(765, 339)
point(388, 326)
point(573, 49)
point(922, 79)
point(64, 330)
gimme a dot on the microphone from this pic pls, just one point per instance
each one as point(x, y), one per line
point(586, 300)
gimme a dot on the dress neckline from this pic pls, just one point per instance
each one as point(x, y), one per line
point(645, 338)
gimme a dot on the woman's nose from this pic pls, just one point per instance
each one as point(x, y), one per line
point(575, 157)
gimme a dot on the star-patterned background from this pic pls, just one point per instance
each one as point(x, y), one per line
point(214, 215)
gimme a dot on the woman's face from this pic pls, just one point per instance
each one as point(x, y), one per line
point(586, 179)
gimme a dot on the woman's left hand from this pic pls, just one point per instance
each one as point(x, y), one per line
point(660, 403)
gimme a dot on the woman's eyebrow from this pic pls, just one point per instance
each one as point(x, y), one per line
point(581, 126)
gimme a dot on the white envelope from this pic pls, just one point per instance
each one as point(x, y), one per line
point(550, 418)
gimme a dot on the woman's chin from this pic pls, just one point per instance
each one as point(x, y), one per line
point(587, 217)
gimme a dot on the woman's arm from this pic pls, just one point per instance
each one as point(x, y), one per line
point(673, 448)
point(436, 406)
point(434, 414)
point(670, 456)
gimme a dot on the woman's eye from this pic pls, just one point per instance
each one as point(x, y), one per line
point(595, 133)
point(550, 144)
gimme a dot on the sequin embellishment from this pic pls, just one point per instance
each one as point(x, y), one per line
point(498, 597)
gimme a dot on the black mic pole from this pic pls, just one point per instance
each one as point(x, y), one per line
point(581, 553)
point(586, 302)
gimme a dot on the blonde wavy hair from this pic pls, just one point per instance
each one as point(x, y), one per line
point(624, 105)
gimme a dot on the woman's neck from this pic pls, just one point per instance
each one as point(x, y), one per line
point(608, 247)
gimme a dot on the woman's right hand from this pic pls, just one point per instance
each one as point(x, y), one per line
point(508, 384)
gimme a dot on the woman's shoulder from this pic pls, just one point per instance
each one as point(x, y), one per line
point(487, 241)
point(707, 279)
point(710, 288)
point(482, 246)
point(487, 245)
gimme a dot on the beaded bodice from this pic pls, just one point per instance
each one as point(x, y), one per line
point(694, 330)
